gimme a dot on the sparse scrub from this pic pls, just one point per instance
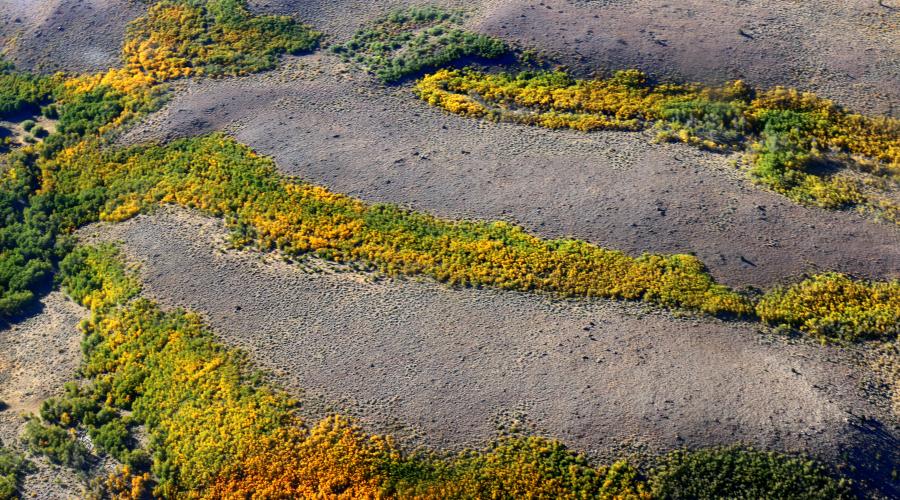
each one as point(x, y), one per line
point(408, 42)
point(886, 362)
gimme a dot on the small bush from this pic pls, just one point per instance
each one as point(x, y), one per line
point(407, 42)
point(27, 125)
point(59, 444)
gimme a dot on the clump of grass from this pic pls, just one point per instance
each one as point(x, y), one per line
point(408, 42)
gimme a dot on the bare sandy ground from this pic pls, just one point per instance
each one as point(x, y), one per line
point(70, 35)
point(611, 188)
point(38, 356)
point(446, 367)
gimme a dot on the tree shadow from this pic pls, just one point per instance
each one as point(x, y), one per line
point(873, 458)
point(32, 309)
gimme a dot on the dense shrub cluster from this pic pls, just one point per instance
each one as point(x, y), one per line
point(212, 37)
point(743, 474)
point(12, 467)
point(175, 39)
point(216, 431)
point(29, 241)
point(407, 42)
point(178, 38)
point(788, 133)
point(21, 91)
point(833, 306)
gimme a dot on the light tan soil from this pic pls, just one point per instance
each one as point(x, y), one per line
point(446, 367)
point(38, 356)
point(67, 35)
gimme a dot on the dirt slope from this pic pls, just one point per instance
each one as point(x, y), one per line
point(444, 366)
point(70, 35)
point(611, 188)
point(38, 356)
point(845, 50)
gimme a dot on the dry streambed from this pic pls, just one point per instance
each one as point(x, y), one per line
point(614, 189)
point(446, 367)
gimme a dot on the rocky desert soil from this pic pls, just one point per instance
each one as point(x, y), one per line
point(38, 356)
point(448, 367)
